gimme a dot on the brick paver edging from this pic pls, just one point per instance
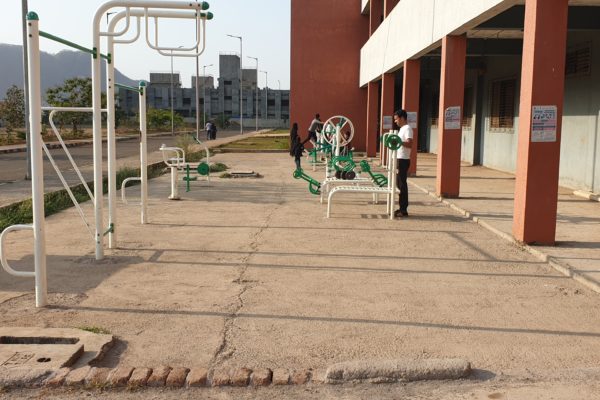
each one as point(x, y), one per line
point(559, 265)
point(379, 371)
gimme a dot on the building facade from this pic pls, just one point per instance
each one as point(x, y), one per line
point(222, 101)
point(507, 84)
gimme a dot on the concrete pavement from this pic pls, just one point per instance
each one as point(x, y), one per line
point(247, 273)
point(487, 196)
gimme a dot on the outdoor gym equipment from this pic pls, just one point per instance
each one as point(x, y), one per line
point(314, 186)
point(393, 144)
point(174, 158)
point(378, 179)
point(146, 8)
point(334, 130)
point(158, 10)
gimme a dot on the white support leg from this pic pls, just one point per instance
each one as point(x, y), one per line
point(143, 152)
point(111, 147)
point(37, 166)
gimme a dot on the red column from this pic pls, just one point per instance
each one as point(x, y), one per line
point(538, 155)
point(410, 103)
point(388, 83)
point(452, 86)
point(389, 6)
point(372, 118)
point(375, 15)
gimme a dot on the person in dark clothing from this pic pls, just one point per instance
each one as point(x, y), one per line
point(293, 136)
point(297, 151)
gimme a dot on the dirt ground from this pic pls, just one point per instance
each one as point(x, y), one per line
point(248, 272)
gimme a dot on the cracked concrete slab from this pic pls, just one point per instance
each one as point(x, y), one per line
point(248, 273)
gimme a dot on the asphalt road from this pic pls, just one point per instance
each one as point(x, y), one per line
point(13, 166)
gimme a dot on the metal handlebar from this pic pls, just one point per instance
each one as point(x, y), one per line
point(7, 268)
point(124, 185)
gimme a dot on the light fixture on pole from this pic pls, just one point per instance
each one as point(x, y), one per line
point(256, 112)
point(267, 94)
point(241, 79)
point(172, 97)
point(204, 89)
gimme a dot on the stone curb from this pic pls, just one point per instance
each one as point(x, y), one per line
point(563, 267)
point(56, 145)
point(122, 377)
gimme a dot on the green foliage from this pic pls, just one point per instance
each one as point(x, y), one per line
point(161, 119)
point(12, 109)
point(74, 92)
point(95, 329)
point(218, 167)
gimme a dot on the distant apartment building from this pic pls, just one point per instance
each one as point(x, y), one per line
point(220, 101)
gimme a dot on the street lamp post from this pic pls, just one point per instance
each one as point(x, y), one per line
point(256, 92)
point(172, 97)
point(24, 11)
point(204, 89)
point(241, 80)
point(267, 94)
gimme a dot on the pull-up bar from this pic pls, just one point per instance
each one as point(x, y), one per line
point(139, 90)
point(66, 42)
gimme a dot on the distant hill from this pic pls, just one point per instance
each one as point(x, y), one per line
point(55, 68)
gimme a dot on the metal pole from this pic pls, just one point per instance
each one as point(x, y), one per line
point(241, 89)
point(256, 92)
point(197, 95)
point(24, 10)
point(111, 146)
point(267, 94)
point(37, 166)
point(172, 112)
point(204, 93)
point(143, 152)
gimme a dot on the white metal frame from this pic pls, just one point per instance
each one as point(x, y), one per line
point(146, 10)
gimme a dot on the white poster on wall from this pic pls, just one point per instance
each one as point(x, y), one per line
point(388, 122)
point(412, 119)
point(452, 118)
point(544, 123)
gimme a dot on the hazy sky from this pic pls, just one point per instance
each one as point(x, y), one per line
point(263, 24)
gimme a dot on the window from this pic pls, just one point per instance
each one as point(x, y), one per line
point(227, 97)
point(271, 102)
point(187, 101)
point(579, 60)
point(502, 104)
point(227, 82)
point(285, 103)
point(468, 108)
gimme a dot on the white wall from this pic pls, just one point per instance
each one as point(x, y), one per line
point(414, 27)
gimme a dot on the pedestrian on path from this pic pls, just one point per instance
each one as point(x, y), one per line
point(406, 135)
point(298, 151)
point(293, 136)
point(208, 128)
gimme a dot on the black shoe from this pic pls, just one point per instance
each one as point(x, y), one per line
point(399, 214)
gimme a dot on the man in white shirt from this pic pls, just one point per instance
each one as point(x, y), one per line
point(406, 134)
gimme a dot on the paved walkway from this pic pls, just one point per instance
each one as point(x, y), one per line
point(488, 196)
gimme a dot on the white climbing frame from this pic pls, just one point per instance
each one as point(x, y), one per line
point(135, 9)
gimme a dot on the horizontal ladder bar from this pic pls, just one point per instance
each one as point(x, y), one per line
point(66, 42)
point(126, 87)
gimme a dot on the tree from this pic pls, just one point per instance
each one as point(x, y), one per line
point(74, 92)
point(159, 119)
point(12, 109)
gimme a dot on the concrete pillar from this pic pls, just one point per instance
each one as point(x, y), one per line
point(372, 118)
point(538, 155)
point(388, 83)
point(410, 103)
point(375, 15)
point(452, 86)
point(388, 6)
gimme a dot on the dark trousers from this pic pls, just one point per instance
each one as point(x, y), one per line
point(403, 166)
point(297, 159)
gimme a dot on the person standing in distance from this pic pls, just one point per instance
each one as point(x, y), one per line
point(406, 134)
point(315, 126)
